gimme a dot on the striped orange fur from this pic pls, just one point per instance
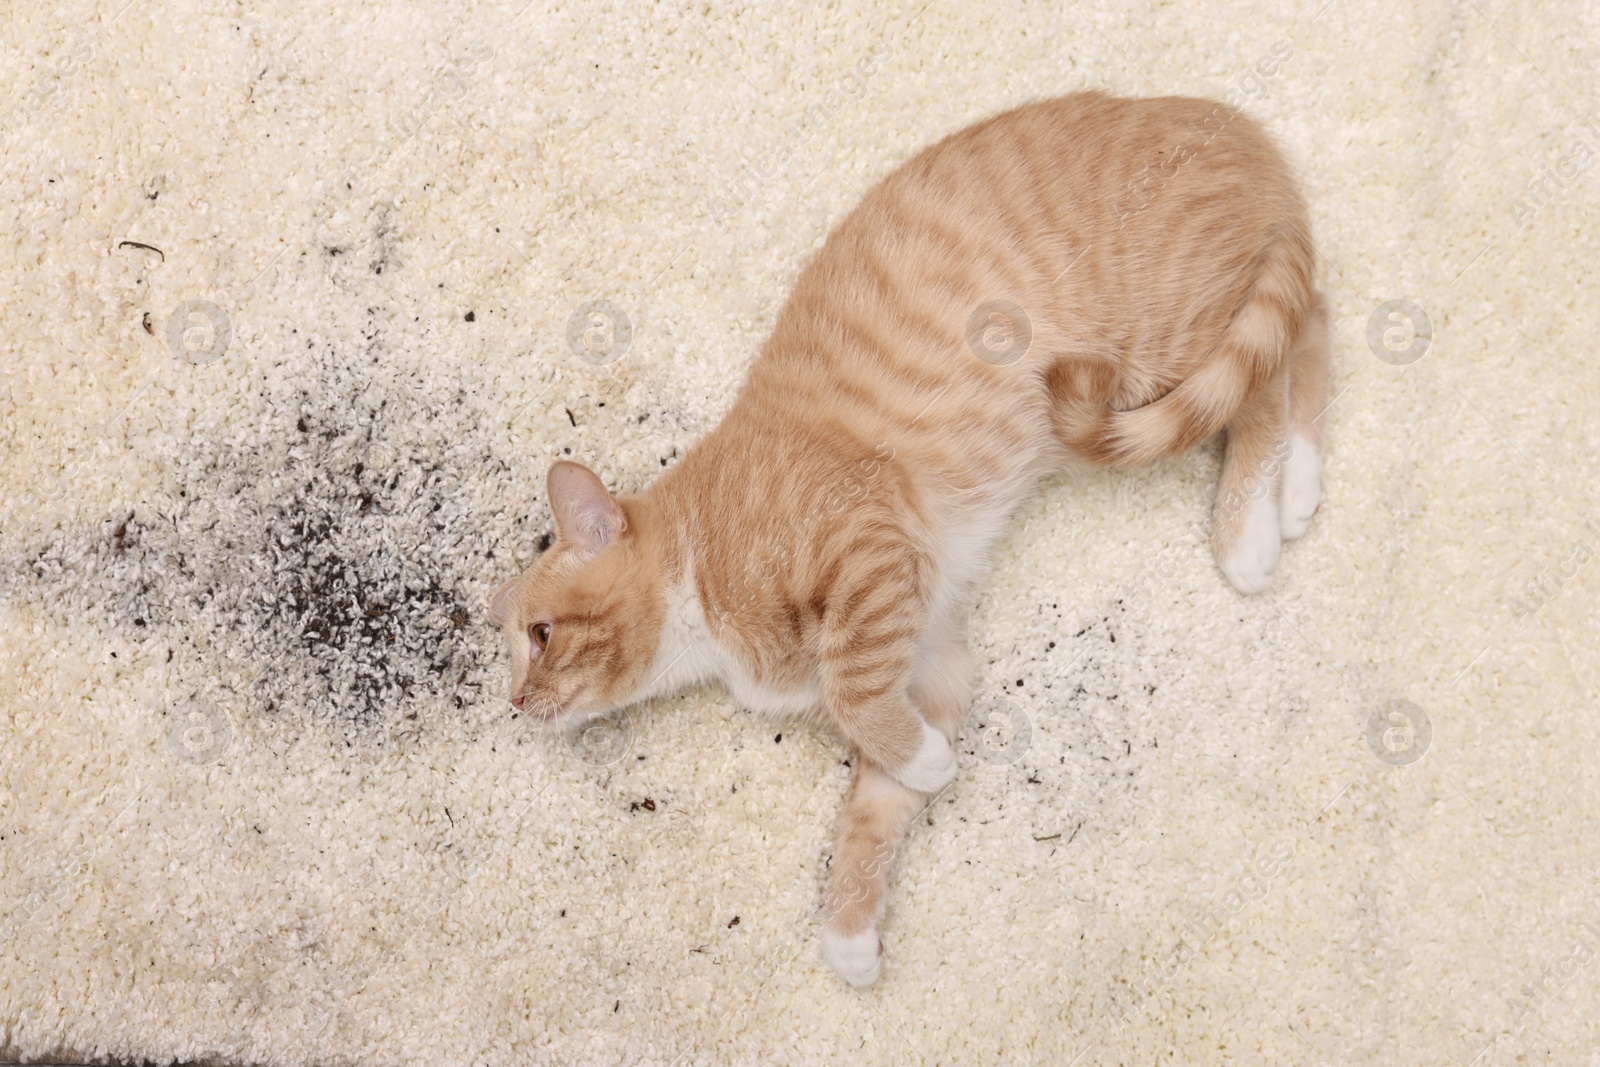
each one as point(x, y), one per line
point(1087, 278)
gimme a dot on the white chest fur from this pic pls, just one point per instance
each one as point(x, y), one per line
point(689, 655)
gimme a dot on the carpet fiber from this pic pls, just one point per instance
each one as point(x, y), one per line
point(301, 300)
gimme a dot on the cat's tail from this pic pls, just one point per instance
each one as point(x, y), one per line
point(1254, 343)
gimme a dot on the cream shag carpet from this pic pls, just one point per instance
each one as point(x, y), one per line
point(298, 307)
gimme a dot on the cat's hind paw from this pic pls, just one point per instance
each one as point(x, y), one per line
point(1302, 487)
point(858, 959)
point(1250, 560)
point(931, 769)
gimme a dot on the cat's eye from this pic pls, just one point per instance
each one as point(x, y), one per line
point(540, 632)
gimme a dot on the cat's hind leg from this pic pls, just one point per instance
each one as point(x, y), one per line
point(1246, 527)
point(1309, 361)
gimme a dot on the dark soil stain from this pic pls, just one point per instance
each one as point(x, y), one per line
point(341, 562)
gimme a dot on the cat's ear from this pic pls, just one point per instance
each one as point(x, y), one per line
point(586, 515)
point(500, 603)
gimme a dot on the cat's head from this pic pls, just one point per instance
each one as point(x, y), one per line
point(584, 622)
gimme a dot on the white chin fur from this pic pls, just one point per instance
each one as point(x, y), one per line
point(1302, 487)
point(858, 959)
point(1254, 556)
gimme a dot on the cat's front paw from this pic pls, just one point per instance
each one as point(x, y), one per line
point(1252, 557)
point(931, 769)
point(858, 958)
point(1302, 487)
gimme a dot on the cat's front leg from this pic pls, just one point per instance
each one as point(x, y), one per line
point(875, 817)
point(871, 705)
point(871, 825)
point(868, 655)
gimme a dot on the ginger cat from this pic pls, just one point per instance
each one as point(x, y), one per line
point(1085, 278)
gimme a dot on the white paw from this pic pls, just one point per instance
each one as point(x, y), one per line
point(858, 959)
point(931, 769)
point(1254, 556)
point(1302, 487)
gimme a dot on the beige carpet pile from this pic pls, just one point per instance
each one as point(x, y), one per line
point(299, 302)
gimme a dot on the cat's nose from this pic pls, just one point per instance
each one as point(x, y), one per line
point(516, 700)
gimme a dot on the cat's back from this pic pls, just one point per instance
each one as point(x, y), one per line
point(1089, 159)
point(1120, 233)
point(1108, 223)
